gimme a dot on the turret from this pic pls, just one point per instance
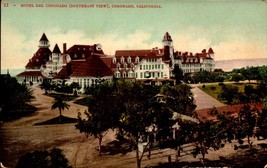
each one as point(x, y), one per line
point(168, 47)
point(43, 42)
point(56, 52)
point(211, 53)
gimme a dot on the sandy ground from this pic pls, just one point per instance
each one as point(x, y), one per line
point(20, 136)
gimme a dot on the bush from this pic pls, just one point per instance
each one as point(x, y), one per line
point(43, 159)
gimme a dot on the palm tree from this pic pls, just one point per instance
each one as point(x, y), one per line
point(61, 104)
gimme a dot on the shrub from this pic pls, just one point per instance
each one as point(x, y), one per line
point(43, 159)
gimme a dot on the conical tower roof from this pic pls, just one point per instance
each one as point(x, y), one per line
point(167, 37)
point(43, 38)
point(56, 49)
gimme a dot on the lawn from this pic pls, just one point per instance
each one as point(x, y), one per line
point(215, 89)
point(84, 101)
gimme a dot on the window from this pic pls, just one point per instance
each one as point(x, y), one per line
point(129, 74)
point(136, 75)
point(114, 60)
point(118, 65)
point(122, 59)
point(149, 67)
point(161, 74)
point(146, 66)
point(162, 66)
point(124, 74)
point(152, 67)
point(140, 67)
point(141, 74)
point(125, 66)
point(118, 75)
point(137, 59)
point(129, 60)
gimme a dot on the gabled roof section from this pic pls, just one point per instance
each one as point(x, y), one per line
point(43, 38)
point(107, 61)
point(56, 49)
point(31, 73)
point(93, 66)
point(39, 58)
point(83, 51)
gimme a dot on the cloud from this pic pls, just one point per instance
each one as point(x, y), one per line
point(15, 49)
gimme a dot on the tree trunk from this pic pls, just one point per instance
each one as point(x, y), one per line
point(60, 116)
point(138, 161)
point(99, 147)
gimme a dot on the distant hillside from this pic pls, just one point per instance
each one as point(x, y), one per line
point(228, 65)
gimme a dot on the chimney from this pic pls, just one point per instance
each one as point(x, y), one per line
point(64, 53)
point(204, 51)
point(64, 48)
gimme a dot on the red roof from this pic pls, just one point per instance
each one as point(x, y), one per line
point(203, 114)
point(43, 38)
point(91, 67)
point(210, 51)
point(120, 53)
point(31, 73)
point(56, 49)
point(39, 58)
point(63, 73)
point(107, 61)
point(82, 51)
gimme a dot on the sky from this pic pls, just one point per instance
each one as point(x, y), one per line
point(234, 29)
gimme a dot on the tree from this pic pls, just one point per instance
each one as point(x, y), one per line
point(236, 77)
point(228, 93)
point(15, 98)
point(246, 123)
point(46, 85)
point(178, 74)
point(183, 100)
point(61, 104)
point(102, 113)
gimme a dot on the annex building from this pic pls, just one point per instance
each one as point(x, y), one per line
point(88, 64)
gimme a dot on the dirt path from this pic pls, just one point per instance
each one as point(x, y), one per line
point(203, 100)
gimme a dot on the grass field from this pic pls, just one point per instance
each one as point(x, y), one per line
point(215, 89)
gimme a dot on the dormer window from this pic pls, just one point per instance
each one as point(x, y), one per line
point(83, 56)
point(122, 59)
point(136, 59)
point(75, 55)
point(125, 66)
point(114, 60)
point(118, 65)
point(129, 60)
point(78, 48)
point(84, 49)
